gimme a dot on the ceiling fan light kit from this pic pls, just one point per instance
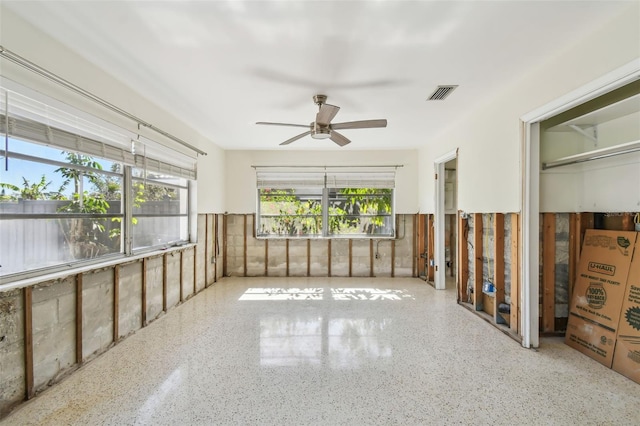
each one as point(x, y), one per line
point(322, 128)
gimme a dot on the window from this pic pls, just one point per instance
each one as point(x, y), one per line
point(75, 196)
point(326, 204)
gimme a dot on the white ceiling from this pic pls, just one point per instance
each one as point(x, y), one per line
point(220, 66)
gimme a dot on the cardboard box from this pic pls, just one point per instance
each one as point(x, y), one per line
point(602, 275)
point(626, 359)
point(591, 339)
point(598, 293)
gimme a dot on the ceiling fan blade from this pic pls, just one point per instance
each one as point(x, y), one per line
point(295, 138)
point(326, 114)
point(283, 124)
point(364, 124)
point(339, 139)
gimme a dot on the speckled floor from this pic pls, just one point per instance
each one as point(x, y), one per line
point(328, 352)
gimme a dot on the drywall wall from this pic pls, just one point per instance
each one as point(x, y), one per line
point(489, 142)
point(241, 177)
point(30, 43)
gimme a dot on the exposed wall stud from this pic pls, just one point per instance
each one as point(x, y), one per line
point(206, 251)
point(431, 247)
point(144, 293)
point(548, 271)
point(329, 257)
point(371, 257)
point(28, 340)
point(181, 276)
point(308, 257)
point(478, 261)
point(514, 324)
point(164, 282)
point(573, 236)
point(393, 258)
point(414, 249)
point(244, 245)
point(498, 263)
point(79, 357)
point(266, 258)
point(224, 244)
point(463, 260)
point(350, 257)
point(195, 270)
point(287, 255)
point(215, 248)
point(116, 303)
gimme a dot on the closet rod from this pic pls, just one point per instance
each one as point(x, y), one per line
point(25, 63)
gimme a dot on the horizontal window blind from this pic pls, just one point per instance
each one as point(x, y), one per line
point(287, 180)
point(386, 179)
point(35, 121)
point(341, 179)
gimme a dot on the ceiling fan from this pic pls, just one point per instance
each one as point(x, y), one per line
point(322, 128)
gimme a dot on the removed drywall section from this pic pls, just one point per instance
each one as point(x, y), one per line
point(318, 256)
point(154, 287)
point(129, 294)
point(340, 255)
point(54, 311)
point(172, 277)
point(12, 367)
point(97, 312)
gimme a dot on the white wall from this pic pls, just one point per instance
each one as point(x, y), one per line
point(489, 142)
point(241, 177)
point(20, 37)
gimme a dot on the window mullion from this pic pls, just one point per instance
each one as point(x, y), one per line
point(325, 211)
point(128, 196)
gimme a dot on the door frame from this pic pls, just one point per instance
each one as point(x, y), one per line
point(440, 273)
point(530, 155)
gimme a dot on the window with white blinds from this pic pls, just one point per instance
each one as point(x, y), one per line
point(326, 203)
point(75, 189)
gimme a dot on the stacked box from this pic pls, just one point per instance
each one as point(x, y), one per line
point(626, 359)
point(598, 293)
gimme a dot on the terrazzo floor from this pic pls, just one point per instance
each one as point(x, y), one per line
point(332, 351)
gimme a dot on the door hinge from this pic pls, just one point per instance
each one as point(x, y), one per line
point(436, 176)
point(436, 268)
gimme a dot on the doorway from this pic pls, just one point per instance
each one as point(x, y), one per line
point(446, 171)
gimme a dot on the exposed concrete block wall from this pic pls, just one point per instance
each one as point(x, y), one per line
point(54, 313)
point(12, 359)
point(154, 287)
point(130, 296)
point(301, 257)
point(143, 293)
point(97, 312)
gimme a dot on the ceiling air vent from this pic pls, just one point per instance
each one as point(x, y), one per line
point(442, 92)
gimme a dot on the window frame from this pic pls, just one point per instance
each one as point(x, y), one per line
point(29, 123)
point(325, 202)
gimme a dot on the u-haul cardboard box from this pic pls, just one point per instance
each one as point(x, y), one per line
point(598, 293)
point(626, 359)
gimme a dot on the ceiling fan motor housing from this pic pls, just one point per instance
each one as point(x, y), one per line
point(318, 131)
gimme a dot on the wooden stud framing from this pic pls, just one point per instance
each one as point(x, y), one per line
point(452, 259)
point(463, 256)
point(371, 257)
point(244, 245)
point(287, 255)
point(195, 270)
point(144, 293)
point(164, 282)
point(181, 276)
point(329, 257)
point(416, 252)
point(116, 303)
point(420, 241)
point(430, 249)
point(215, 248)
point(478, 261)
point(514, 323)
point(28, 340)
point(498, 261)
point(393, 258)
point(224, 245)
point(573, 231)
point(627, 222)
point(206, 251)
point(548, 271)
point(79, 319)
point(266, 258)
point(350, 257)
point(308, 257)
